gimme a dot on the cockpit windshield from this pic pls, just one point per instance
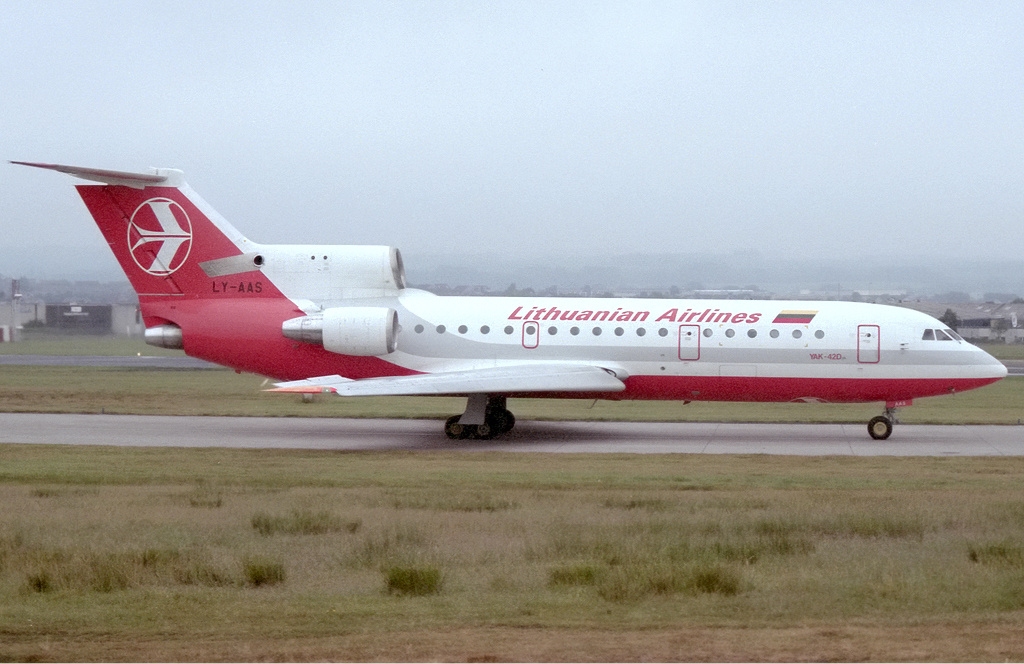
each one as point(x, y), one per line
point(941, 335)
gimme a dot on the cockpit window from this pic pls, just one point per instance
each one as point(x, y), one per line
point(941, 335)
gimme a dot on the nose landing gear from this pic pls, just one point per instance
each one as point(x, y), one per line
point(485, 418)
point(880, 426)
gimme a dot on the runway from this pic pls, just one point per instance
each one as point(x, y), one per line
point(550, 437)
point(119, 361)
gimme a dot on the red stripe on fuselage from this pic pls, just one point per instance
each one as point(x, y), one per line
point(776, 390)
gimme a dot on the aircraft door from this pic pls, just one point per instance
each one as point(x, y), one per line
point(689, 342)
point(531, 334)
point(868, 344)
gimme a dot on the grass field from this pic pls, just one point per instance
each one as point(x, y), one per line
point(1004, 351)
point(123, 554)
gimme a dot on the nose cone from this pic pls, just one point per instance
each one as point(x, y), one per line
point(992, 367)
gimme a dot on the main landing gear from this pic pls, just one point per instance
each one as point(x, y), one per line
point(485, 418)
point(880, 426)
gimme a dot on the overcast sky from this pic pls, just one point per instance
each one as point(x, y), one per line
point(562, 129)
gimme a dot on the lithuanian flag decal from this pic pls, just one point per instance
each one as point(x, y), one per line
point(794, 316)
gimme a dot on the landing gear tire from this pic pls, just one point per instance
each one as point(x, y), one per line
point(501, 421)
point(454, 430)
point(458, 431)
point(880, 427)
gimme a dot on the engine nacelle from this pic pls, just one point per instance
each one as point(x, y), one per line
point(164, 336)
point(365, 331)
point(324, 273)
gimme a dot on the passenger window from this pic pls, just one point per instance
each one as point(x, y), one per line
point(419, 329)
point(662, 332)
point(929, 335)
point(508, 329)
point(797, 334)
point(463, 329)
point(774, 334)
point(619, 331)
point(597, 331)
point(751, 333)
point(730, 333)
point(485, 329)
point(819, 334)
point(574, 331)
point(640, 332)
point(552, 330)
point(708, 332)
point(440, 329)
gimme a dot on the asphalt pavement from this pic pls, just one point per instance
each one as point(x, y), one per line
point(555, 437)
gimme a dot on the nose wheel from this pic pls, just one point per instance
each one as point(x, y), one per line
point(880, 426)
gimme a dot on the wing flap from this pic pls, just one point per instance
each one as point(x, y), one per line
point(496, 380)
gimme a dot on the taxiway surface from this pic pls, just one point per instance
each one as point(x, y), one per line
point(559, 437)
point(108, 361)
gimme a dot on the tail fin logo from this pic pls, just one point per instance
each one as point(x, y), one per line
point(159, 236)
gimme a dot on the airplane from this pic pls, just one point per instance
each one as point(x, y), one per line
point(340, 319)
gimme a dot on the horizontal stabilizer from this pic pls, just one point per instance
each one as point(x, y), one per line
point(166, 177)
point(496, 380)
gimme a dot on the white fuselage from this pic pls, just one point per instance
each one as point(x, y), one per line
point(665, 346)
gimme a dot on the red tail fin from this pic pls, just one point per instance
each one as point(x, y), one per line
point(160, 230)
point(159, 236)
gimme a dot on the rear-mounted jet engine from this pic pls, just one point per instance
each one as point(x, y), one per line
point(367, 331)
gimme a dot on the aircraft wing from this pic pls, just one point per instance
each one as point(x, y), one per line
point(495, 380)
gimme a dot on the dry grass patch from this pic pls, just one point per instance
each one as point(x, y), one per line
point(303, 522)
point(455, 501)
point(634, 582)
point(1005, 553)
point(575, 575)
point(206, 496)
point(636, 503)
point(381, 549)
point(47, 570)
point(413, 581)
point(263, 571)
